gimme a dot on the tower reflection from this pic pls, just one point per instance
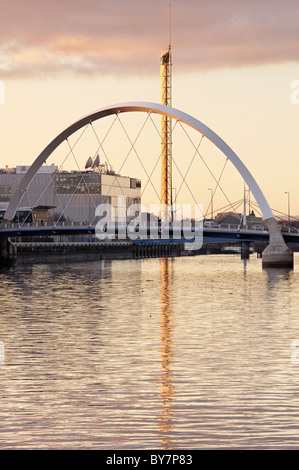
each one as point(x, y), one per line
point(166, 415)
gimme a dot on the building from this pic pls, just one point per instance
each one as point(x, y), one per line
point(234, 218)
point(67, 196)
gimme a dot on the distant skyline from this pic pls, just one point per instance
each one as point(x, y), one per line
point(233, 66)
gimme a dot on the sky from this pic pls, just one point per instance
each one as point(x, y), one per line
point(234, 63)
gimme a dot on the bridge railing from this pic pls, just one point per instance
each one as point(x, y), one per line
point(237, 226)
point(86, 224)
point(25, 225)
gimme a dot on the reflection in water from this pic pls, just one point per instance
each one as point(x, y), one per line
point(275, 275)
point(167, 396)
point(244, 268)
point(82, 371)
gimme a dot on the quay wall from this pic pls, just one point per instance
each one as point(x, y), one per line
point(67, 252)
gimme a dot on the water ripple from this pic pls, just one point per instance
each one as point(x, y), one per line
point(182, 353)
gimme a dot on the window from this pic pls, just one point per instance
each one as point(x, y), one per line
point(5, 192)
point(135, 183)
point(70, 183)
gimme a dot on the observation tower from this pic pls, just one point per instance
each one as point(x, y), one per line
point(166, 138)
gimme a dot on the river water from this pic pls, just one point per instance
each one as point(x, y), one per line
point(184, 353)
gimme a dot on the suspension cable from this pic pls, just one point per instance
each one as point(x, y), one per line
point(102, 148)
point(75, 190)
point(226, 197)
point(133, 148)
point(217, 185)
point(132, 143)
point(51, 179)
point(159, 158)
point(184, 178)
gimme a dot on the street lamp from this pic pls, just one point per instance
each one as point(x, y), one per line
point(248, 190)
point(174, 207)
point(288, 193)
point(211, 189)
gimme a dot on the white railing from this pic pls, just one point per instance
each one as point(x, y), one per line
point(24, 225)
point(85, 224)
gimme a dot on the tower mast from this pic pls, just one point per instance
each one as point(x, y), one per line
point(166, 137)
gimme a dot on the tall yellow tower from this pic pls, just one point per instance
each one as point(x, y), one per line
point(166, 138)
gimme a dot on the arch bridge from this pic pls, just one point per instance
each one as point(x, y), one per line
point(275, 254)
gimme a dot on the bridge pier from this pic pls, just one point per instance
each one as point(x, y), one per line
point(276, 254)
point(8, 251)
point(245, 250)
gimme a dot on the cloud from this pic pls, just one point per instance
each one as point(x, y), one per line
point(88, 37)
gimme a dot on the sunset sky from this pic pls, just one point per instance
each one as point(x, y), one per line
point(233, 65)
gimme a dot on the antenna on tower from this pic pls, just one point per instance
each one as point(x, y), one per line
point(169, 26)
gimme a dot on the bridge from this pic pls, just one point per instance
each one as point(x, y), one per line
point(212, 235)
point(275, 254)
point(25, 233)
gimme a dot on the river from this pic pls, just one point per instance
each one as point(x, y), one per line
point(182, 353)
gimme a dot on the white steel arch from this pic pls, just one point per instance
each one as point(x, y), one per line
point(149, 108)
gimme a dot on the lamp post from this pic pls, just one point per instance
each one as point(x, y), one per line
point(288, 193)
point(211, 189)
point(248, 190)
point(174, 207)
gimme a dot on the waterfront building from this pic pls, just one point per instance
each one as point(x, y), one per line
point(67, 196)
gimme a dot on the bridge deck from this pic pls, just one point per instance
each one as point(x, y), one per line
point(209, 234)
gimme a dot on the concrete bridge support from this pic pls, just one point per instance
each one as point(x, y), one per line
point(276, 254)
point(245, 250)
point(8, 251)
